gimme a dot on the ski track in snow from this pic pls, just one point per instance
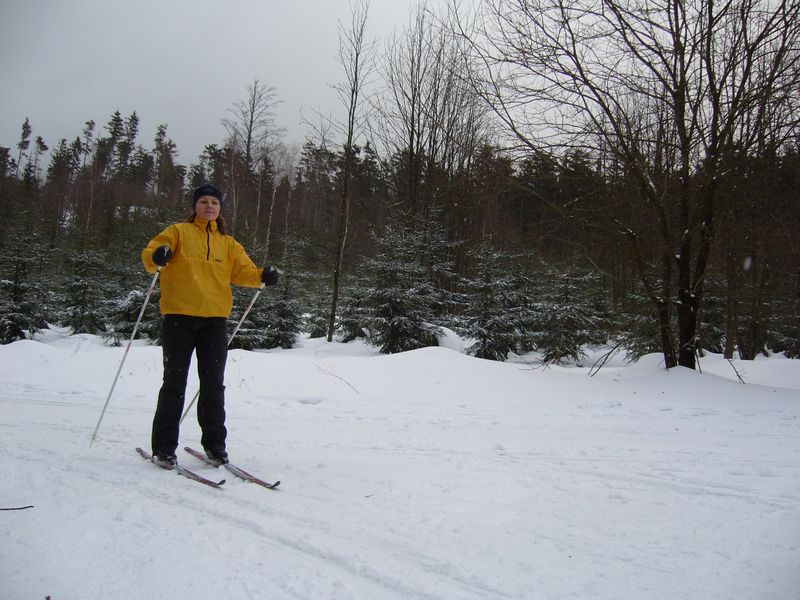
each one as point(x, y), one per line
point(425, 475)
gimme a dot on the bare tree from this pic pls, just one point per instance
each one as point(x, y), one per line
point(429, 115)
point(668, 88)
point(355, 56)
point(252, 133)
point(286, 163)
point(262, 175)
point(252, 126)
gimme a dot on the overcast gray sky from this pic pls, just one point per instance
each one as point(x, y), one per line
point(180, 62)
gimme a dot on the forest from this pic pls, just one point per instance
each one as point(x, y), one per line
point(536, 176)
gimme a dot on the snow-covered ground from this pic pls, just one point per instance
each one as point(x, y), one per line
point(427, 475)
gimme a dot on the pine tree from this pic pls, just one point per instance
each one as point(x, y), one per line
point(60, 178)
point(275, 320)
point(637, 332)
point(490, 318)
point(23, 298)
point(437, 255)
point(397, 309)
point(351, 319)
point(23, 144)
point(122, 310)
point(86, 292)
point(286, 318)
point(317, 301)
point(784, 333)
point(568, 315)
point(288, 305)
point(252, 333)
point(711, 319)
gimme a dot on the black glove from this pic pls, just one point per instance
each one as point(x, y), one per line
point(269, 276)
point(161, 255)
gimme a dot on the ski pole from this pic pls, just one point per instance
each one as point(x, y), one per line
point(230, 339)
point(125, 355)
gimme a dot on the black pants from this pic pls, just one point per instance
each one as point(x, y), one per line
point(181, 336)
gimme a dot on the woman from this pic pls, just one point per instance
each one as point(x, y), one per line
point(198, 263)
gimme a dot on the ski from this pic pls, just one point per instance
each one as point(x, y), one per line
point(238, 471)
point(181, 470)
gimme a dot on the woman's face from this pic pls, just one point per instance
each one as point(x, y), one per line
point(207, 208)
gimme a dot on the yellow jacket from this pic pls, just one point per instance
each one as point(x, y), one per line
point(197, 279)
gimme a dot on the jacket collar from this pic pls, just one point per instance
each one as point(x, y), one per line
point(202, 223)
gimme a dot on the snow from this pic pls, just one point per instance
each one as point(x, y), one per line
point(427, 474)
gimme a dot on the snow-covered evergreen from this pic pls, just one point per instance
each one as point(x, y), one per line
point(489, 317)
point(276, 317)
point(436, 255)
point(123, 312)
point(317, 304)
point(396, 308)
point(86, 292)
point(568, 316)
point(24, 299)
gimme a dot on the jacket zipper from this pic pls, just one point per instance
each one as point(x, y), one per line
point(208, 241)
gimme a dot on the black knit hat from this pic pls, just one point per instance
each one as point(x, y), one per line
point(208, 190)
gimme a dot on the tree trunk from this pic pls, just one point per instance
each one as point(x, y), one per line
point(353, 57)
point(341, 240)
point(731, 302)
point(259, 192)
point(269, 224)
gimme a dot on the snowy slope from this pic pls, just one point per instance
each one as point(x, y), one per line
point(425, 475)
